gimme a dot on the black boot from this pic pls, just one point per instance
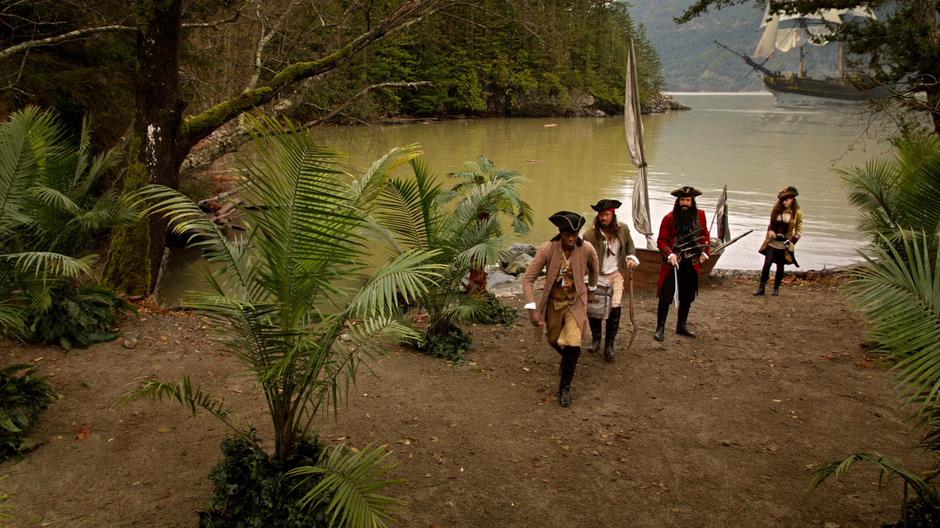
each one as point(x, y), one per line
point(661, 312)
point(613, 325)
point(595, 325)
point(568, 363)
point(760, 289)
point(776, 291)
point(681, 327)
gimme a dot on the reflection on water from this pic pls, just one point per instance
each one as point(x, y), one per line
point(745, 142)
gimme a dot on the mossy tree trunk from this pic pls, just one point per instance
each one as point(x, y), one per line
point(166, 138)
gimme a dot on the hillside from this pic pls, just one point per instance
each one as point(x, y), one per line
point(692, 62)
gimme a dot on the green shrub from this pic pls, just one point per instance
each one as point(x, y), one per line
point(495, 312)
point(23, 398)
point(80, 317)
point(449, 344)
point(250, 490)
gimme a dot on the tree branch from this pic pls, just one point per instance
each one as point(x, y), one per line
point(197, 127)
point(229, 139)
point(58, 39)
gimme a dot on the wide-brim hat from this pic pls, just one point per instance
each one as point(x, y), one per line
point(567, 222)
point(605, 204)
point(686, 191)
point(787, 192)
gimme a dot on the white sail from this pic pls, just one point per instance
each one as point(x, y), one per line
point(783, 31)
point(633, 126)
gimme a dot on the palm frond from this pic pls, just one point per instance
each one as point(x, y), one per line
point(194, 398)
point(45, 264)
point(406, 278)
point(187, 219)
point(901, 299)
point(351, 481)
point(887, 467)
point(367, 188)
point(55, 200)
point(25, 139)
point(12, 318)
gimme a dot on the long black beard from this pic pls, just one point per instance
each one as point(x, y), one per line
point(685, 220)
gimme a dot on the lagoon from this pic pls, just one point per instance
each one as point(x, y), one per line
point(744, 141)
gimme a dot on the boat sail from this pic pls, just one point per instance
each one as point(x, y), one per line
point(647, 273)
point(784, 32)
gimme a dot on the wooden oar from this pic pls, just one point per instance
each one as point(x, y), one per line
point(732, 241)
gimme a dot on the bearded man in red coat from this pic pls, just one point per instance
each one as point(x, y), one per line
point(683, 241)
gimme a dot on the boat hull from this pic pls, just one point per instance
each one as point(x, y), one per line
point(646, 275)
point(806, 90)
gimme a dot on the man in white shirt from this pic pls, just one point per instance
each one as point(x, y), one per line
point(617, 255)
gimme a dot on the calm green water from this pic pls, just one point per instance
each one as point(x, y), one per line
point(744, 141)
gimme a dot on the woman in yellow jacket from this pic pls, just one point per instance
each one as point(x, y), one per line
point(785, 229)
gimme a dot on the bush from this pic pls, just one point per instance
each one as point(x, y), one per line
point(23, 398)
point(448, 344)
point(80, 317)
point(495, 312)
point(250, 490)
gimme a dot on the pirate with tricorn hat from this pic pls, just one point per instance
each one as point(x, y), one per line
point(562, 308)
point(683, 241)
point(783, 232)
point(616, 256)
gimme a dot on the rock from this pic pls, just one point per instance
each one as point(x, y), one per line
point(498, 278)
point(515, 250)
point(518, 264)
point(130, 341)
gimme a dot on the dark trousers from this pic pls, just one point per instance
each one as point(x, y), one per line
point(688, 289)
point(773, 256)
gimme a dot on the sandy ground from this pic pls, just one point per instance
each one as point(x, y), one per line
point(717, 431)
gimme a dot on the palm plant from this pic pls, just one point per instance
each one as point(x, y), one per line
point(898, 290)
point(462, 223)
point(49, 215)
point(296, 281)
point(898, 193)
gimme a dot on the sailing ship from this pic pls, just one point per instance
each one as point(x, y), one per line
point(786, 32)
point(646, 275)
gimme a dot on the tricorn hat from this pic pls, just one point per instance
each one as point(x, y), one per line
point(686, 191)
point(787, 192)
point(605, 204)
point(567, 222)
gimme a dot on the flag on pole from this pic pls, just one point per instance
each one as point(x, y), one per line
point(721, 218)
point(634, 134)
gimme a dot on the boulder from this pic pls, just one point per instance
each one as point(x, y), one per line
point(515, 250)
point(518, 264)
point(498, 277)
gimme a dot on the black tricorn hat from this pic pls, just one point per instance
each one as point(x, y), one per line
point(686, 191)
point(605, 204)
point(787, 192)
point(567, 222)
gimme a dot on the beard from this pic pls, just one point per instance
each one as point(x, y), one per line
point(685, 217)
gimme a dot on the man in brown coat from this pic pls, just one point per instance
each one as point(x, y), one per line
point(562, 309)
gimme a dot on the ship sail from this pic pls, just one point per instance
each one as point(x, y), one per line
point(784, 32)
point(633, 126)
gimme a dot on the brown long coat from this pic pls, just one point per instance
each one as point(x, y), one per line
point(583, 262)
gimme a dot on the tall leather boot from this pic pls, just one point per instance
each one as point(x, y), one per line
point(613, 325)
point(760, 289)
point(568, 363)
point(595, 325)
point(681, 327)
point(661, 312)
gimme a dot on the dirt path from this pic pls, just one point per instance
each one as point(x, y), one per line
point(718, 431)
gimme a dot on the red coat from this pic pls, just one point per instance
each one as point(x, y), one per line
point(667, 240)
